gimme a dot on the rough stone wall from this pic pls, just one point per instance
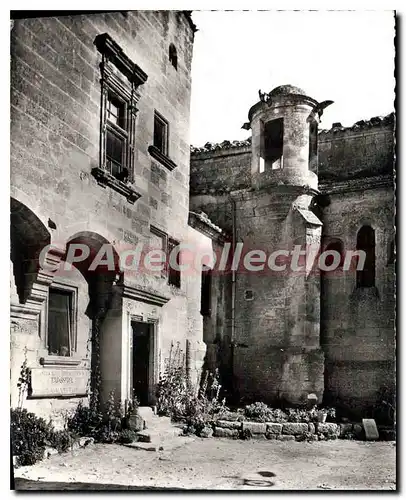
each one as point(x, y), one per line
point(277, 352)
point(358, 323)
point(55, 133)
point(362, 150)
point(220, 170)
point(348, 153)
point(357, 327)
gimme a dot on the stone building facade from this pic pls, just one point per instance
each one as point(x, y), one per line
point(293, 333)
point(100, 159)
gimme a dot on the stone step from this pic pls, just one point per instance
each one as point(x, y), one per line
point(145, 412)
point(166, 445)
point(158, 435)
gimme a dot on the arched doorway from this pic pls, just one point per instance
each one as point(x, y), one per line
point(99, 265)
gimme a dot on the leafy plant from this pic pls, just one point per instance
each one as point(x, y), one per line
point(258, 412)
point(61, 440)
point(103, 426)
point(23, 381)
point(29, 436)
point(132, 405)
point(172, 389)
point(127, 436)
point(177, 399)
point(85, 420)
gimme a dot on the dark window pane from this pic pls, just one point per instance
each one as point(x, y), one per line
point(59, 322)
point(160, 132)
point(114, 153)
point(366, 242)
point(174, 274)
point(205, 298)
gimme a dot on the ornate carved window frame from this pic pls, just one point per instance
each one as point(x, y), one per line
point(122, 78)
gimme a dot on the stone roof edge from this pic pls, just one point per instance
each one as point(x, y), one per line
point(361, 125)
point(361, 184)
point(201, 222)
point(234, 146)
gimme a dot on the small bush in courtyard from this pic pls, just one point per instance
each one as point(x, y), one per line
point(85, 420)
point(175, 397)
point(127, 436)
point(61, 440)
point(104, 426)
point(258, 412)
point(29, 436)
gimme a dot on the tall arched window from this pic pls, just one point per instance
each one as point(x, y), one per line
point(173, 56)
point(366, 242)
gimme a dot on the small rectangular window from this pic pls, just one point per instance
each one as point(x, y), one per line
point(161, 134)
point(160, 241)
point(173, 274)
point(60, 322)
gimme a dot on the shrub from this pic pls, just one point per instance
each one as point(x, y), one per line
point(103, 426)
point(172, 389)
point(175, 397)
point(127, 436)
point(259, 412)
point(85, 421)
point(61, 440)
point(29, 436)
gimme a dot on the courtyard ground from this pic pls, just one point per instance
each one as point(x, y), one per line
point(219, 464)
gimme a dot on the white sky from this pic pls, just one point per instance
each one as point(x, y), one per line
point(345, 56)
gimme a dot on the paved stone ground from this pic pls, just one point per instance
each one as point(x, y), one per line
point(219, 464)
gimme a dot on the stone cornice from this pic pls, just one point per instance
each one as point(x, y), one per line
point(142, 295)
point(114, 53)
point(105, 179)
point(204, 225)
point(163, 159)
point(334, 186)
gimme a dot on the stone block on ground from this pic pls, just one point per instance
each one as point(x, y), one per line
point(370, 428)
point(293, 428)
point(85, 441)
point(227, 433)
point(345, 428)
point(50, 451)
point(286, 437)
point(232, 416)
point(328, 429)
point(387, 434)
point(254, 427)
point(273, 428)
point(307, 437)
point(228, 424)
point(359, 431)
point(206, 432)
point(271, 436)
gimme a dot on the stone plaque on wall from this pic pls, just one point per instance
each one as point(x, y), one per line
point(58, 382)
